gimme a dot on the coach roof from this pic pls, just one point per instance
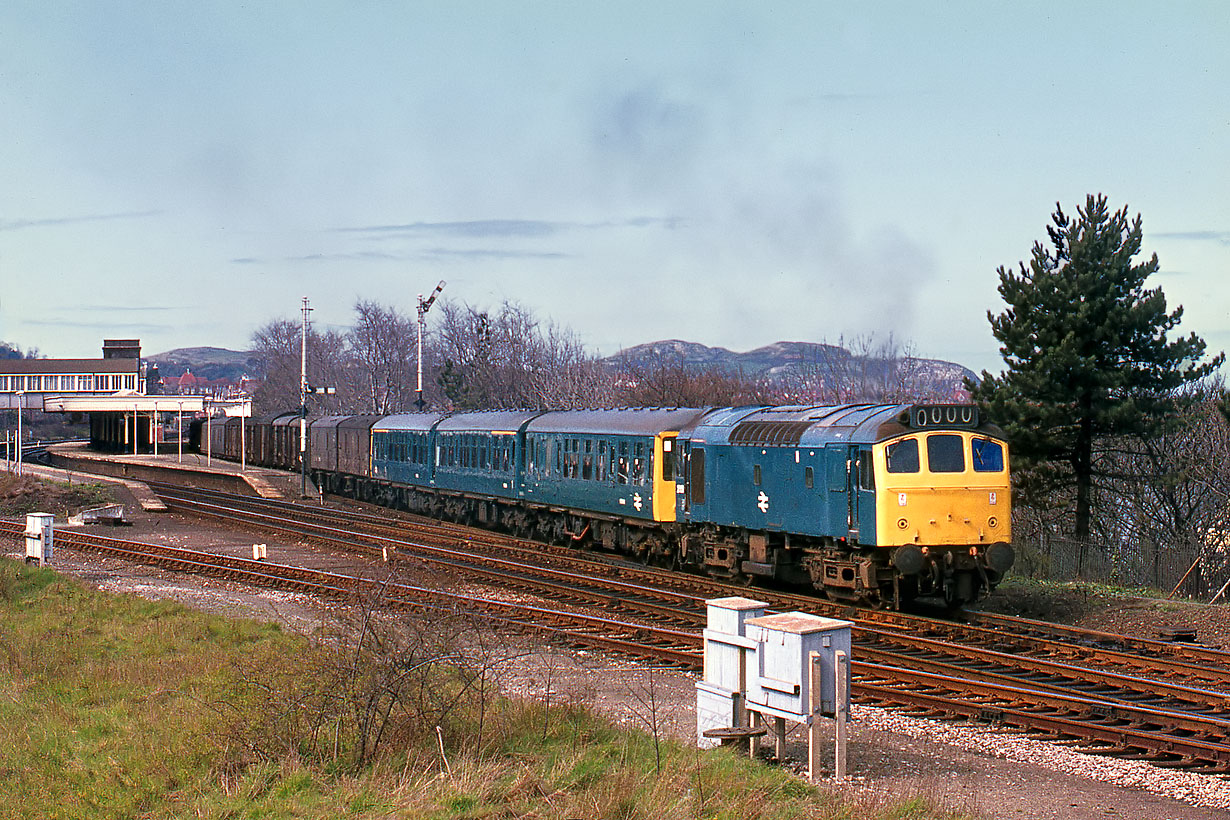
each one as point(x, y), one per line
point(646, 421)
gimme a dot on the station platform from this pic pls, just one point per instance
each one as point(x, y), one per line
point(140, 491)
point(191, 468)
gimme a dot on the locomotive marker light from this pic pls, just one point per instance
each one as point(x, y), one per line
point(424, 306)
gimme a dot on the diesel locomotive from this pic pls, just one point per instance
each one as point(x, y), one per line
point(867, 503)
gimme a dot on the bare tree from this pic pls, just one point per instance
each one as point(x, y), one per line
point(508, 359)
point(383, 342)
point(667, 383)
point(277, 345)
point(864, 369)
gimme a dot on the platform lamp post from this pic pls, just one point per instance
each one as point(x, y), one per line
point(303, 394)
point(21, 400)
point(424, 306)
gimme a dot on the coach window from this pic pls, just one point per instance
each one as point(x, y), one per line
point(638, 463)
point(988, 456)
point(622, 469)
point(756, 474)
point(903, 456)
point(945, 454)
point(668, 459)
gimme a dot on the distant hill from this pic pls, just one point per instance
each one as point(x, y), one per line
point(784, 361)
point(207, 362)
point(780, 362)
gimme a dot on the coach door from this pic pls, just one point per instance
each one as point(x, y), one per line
point(664, 477)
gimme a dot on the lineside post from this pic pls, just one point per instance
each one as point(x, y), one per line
point(841, 706)
point(814, 677)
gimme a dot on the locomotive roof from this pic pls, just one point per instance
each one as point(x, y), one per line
point(620, 421)
point(816, 425)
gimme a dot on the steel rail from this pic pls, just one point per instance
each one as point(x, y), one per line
point(660, 642)
point(913, 625)
point(1144, 686)
point(674, 646)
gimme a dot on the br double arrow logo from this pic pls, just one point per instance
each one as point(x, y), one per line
point(762, 501)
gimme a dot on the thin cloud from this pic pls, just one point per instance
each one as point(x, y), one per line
point(358, 256)
point(52, 222)
point(1220, 237)
point(494, 253)
point(478, 229)
point(129, 308)
point(504, 228)
point(141, 327)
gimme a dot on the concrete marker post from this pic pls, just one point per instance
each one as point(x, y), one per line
point(841, 708)
point(813, 730)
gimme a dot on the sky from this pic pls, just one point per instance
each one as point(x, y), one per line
point(728, 173)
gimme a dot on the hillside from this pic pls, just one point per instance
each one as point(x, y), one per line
point(781, 362)
point(793, 361)
point(207, 362)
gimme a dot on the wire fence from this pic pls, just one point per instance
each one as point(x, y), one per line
point(1197, 572)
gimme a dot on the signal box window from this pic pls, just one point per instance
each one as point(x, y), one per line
point(988, 456)
point(945, 454)
point(903, 456)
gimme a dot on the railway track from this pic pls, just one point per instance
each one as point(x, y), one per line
point(1100, 691)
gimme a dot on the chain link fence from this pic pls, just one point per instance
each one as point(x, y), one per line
point(1199, 572)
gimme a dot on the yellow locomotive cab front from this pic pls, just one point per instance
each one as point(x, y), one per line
point(945, 488)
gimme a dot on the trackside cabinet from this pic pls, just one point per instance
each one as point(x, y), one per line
point(781, 685)
point(728, 662)
point(40, 537)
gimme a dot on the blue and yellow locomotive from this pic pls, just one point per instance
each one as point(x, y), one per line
point(876, 504)
point(871, 503)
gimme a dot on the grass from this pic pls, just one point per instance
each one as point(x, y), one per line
point(117, 707)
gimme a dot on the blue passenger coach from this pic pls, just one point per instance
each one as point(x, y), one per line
point(616, 465)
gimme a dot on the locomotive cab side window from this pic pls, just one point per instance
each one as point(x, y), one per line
point(945, 453)
point(756, 474)
point(988, 455)
point(866, 473)
point(903, 456)
point(696, 486)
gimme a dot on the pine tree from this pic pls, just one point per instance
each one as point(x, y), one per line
point(1086, 352)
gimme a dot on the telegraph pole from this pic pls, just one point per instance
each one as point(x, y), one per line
point(303, 393)
point(424, 306)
